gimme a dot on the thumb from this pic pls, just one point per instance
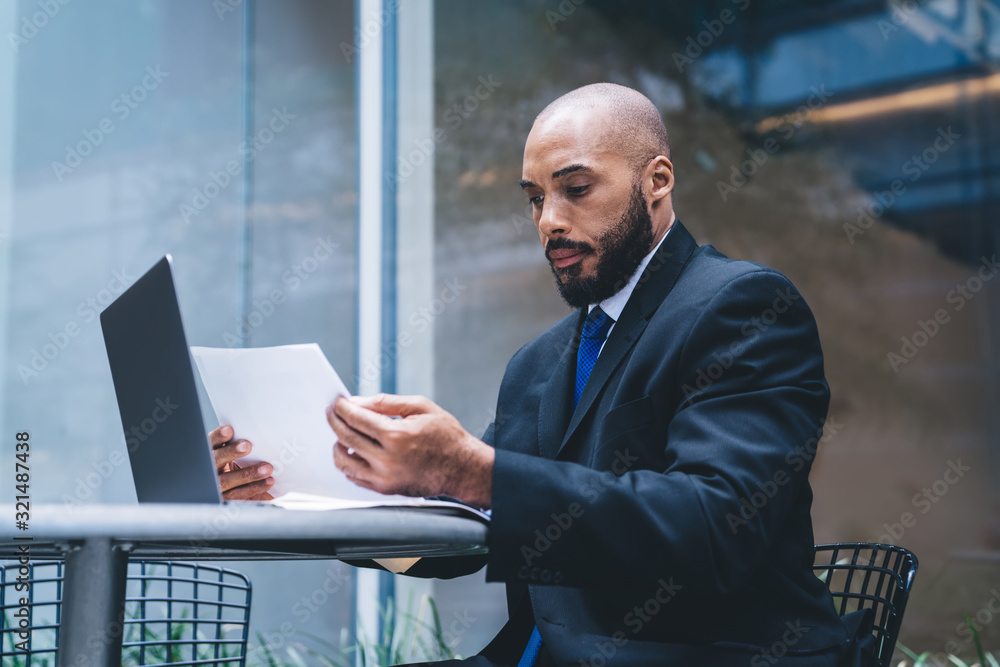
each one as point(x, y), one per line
point(393, 405)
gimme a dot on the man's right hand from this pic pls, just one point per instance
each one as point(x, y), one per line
point(251, 483)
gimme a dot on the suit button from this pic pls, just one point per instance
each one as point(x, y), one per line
point(523, 572)
point(557, 579)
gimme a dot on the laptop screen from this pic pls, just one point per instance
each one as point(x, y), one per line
point(171, 458)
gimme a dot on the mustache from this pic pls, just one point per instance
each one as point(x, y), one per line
point(563, 243)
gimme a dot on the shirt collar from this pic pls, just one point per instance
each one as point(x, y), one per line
point(614, 305)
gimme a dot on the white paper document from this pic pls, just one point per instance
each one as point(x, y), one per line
point(276, 397)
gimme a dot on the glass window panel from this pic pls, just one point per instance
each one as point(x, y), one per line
point(126, 143)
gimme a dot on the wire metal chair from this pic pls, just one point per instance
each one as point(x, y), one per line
point(175, 613)
point(876, 576)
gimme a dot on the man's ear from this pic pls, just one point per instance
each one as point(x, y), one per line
point(660, 177)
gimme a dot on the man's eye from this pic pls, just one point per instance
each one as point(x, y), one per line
point(577, 190)
point(536, 200)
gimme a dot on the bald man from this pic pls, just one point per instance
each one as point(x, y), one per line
point(649, 478)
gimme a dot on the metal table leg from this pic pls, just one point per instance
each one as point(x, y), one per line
point(93, 605)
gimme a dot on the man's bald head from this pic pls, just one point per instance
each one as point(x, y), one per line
point(634, 127)
point(598, 175)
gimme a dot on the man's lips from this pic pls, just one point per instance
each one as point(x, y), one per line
point(565, 257)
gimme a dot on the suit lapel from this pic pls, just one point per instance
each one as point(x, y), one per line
point(655, 283)
point(556, 400)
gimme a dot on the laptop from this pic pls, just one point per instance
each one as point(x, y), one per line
point(153, 373)
point(168, 448)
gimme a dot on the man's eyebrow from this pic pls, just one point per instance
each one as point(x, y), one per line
point(557, 174)
point(569, 170)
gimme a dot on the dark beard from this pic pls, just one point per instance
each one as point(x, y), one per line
point(622, 248)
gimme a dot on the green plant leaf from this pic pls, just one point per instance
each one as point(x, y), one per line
point(910, 654)
point(326, 660)
point(975, 639)
point(268, 653)
point(295, 657)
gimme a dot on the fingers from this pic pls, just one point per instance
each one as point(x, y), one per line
point(393, 405)
point(350, 438)
point(255, 491)
point(354, 467)
point(226, 454)
point(236, 483)
point(352, 423)
point(221, 435)
point(245, 476)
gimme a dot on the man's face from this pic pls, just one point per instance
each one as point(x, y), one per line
point(588, 205)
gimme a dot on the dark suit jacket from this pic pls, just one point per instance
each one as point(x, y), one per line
point(665, 520)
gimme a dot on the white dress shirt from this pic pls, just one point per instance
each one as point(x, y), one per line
point(615, 304)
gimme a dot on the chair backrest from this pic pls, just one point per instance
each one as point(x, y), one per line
point(876, 576)
point(175, 613)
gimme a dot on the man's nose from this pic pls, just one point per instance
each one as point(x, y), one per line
point(551, 222)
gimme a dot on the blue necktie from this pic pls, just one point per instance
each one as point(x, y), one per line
point(532, 650)
point(595, 331)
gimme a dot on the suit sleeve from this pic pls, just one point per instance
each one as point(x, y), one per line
point(439, 567)
point(729, 438)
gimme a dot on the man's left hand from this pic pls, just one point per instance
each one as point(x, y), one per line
point(424, 453)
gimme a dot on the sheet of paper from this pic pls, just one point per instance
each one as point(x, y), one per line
point(303, 501)
point(396, 565)
point(276, 397)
